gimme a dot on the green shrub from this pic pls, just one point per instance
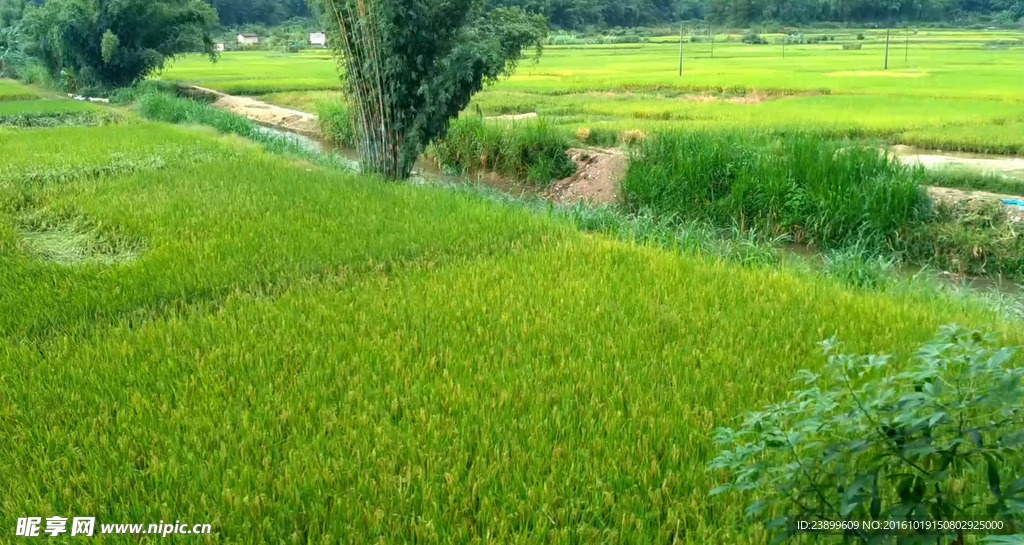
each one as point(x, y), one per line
point(868, 440)
point(816, 191)
point(851, 47)
point(859, 267)
point(334, 122)
point(533, 150)
point(751, 37)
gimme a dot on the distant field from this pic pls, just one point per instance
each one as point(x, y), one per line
point(956, 89)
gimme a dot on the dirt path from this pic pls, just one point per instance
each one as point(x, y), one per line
point(265, 114)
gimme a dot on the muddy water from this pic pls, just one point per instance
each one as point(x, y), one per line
point(980, 162)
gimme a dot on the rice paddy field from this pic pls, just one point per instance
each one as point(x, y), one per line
point(950, 89)
point(193, 328)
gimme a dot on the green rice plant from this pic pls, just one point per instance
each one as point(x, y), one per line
point(335, 124)
point(527, 150)
point(39, 159)
point(1004, 138)
point(818, 192)
point(52, 113)
point(12, 90)
point(502, 375)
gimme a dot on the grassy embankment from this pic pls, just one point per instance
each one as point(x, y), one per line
point(195, 329)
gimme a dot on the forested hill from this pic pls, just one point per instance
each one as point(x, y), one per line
point(577, 14)
point(574, 14)
point(581, 13)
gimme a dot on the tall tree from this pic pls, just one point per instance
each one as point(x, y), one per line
point(411, 66)
point(113, 43)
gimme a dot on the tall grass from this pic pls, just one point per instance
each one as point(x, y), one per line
point(818, 192)
point(335, 124)
point(526, 150)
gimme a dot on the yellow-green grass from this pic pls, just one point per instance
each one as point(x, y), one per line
point(296, 354)
point(12, 90)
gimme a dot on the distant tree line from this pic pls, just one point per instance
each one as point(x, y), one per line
point(578, 14)
point(582, 14)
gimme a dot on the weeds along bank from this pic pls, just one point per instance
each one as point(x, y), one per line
point(826, 194)
point(231, 335)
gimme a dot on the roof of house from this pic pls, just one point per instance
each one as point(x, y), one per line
point(249, 35)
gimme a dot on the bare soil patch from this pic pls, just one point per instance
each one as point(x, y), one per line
point(947, 194)
point(597, 177)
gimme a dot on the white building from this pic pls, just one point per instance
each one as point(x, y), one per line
point(218, 47)
point(248, 38)
point(317, 38)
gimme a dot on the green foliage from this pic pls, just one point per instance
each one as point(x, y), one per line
point(108, 43)
point(529, 150)
point(12, 55)
point(335, 122)
point(819, 192)
point(753, 38)
point(859, 267)
point(410, 67)
point(969, 238)
point(870, 440)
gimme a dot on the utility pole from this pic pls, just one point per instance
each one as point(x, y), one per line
point(711, 32)
point(785, 38)
point(906, 52)
point(887, 47)
point(680, 50)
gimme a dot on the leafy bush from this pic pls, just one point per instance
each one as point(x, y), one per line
point(866, 441)
point(108, 44)
point(818, 192)
point(851, 47)
point(529, 150)
point(335, 122)
point(859, 267)
point(751, 37)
